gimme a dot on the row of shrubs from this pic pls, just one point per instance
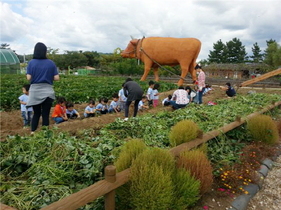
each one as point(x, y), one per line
point(159, 180)
point(261, 127)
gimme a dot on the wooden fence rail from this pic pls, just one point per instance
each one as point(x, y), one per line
point(113, 181)
point(212, 134)
point(262, 77)
point(89, 194)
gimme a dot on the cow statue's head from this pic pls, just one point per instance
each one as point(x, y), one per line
point(131, 49)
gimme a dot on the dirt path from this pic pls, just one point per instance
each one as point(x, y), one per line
point(11, 122)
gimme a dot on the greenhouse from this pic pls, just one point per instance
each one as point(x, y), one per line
point(10, 63)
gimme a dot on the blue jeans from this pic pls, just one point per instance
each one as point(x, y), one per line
point(178, 106)
point(196, 98)
point(26, 116)
point(122, 105)
point(58, 120)
point(200, 96)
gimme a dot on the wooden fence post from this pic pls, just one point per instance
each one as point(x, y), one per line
point(238, 118)
point(5, 207)
point(109, 198)
point(200, 134)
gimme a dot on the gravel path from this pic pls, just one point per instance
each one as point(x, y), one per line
point(269, 197)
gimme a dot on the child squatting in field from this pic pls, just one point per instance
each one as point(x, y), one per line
point(71, 113)
point(90, 110)
point(59, 113)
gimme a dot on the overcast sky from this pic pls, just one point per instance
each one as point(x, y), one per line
point(104, 25)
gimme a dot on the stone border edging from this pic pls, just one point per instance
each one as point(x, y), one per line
point(241, 202)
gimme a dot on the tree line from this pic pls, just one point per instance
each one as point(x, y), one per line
point(233, 52)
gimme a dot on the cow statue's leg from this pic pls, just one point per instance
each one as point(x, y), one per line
point(156, 74)
point(184, 71)
point(192, 71)
point(146, 71)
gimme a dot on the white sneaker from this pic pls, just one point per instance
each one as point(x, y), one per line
point(126, 119)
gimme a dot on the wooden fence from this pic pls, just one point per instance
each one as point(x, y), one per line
point(262, 77)
point(114, 180)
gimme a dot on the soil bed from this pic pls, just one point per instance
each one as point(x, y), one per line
point(11, 122)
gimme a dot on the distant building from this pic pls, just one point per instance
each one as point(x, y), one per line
point(9, 61)
point(235, 71)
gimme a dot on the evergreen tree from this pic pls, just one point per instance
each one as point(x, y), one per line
point(204, 62)
point(272, 54)
point(257, 55)
point(269, 51)
point(218, 54)
point(236, 52)
point(268, 42)
point(277, 57)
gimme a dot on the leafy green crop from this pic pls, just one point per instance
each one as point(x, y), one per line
point(46, 163)
point(78, 89)
point(38, 170)
point(154, 128)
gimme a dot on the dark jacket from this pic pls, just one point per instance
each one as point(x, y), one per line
point(132, 91)
point(230, 91)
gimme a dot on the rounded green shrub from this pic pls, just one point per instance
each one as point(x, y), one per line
point(203, 147)
point(151, 182)
point(183, 131)
point(129, 152)
point(197, 163)
point(161, 157)
point(263, 129)
point(186, 189)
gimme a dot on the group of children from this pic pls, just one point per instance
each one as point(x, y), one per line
point(153, 94)
point(64, 110)
point(102, 107)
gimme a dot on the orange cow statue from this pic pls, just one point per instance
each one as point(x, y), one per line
point(156, 51)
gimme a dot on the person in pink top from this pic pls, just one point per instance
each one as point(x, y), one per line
point(201, 82)
point(180, 98)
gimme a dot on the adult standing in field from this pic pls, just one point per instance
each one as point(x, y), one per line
point(133, 92)
point(201, 82)
point(41, 72)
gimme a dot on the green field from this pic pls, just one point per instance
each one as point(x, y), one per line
point(77, 89)
point(41, 169)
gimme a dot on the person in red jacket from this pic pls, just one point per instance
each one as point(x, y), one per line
point(59, 113)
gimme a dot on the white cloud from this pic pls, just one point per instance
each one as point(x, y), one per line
point(105, 25)
point(13, 25)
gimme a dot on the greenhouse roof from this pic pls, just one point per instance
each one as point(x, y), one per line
point(8, 57)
